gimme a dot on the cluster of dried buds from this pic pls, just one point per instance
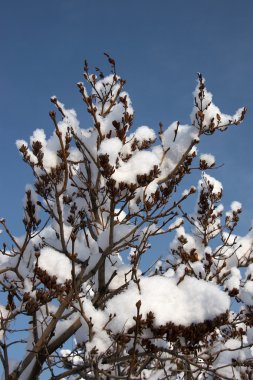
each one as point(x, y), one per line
point(52, 289)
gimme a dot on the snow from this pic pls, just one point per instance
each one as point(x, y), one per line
point(120, 214)
point(207, 115)
point(38, 135)
point(189, 244)
point(176, 139)
point(181, 304)
point(232, 350)
point(72, 357)
point(150, 189)
point(98, 318)
point(177, 223)
point(250, 335)
point(50, 146)
point(124, 274)
point(3, 316)
point(122, 232)
point(144, 133)
point(141, 137)
point(103, 84)
point(209, 159)
point(187, 192)
point(249, 271)
point(236, 206)
point(102, 87)
point(208, 181)
point(139, 164)
point(155, 374)
point(246, 293)
point(233, 281)
point(240, 250)
point(111, 147)
point(199, 269)
point(56, 264)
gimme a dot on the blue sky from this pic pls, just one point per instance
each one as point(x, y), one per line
point(159, 47)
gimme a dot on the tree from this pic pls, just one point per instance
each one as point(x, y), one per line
point(74, 278)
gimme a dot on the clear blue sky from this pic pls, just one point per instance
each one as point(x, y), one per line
point(159, 47)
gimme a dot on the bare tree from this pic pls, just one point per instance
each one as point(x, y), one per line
point(73, 282)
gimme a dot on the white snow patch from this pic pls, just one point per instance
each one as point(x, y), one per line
point(181, 304)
